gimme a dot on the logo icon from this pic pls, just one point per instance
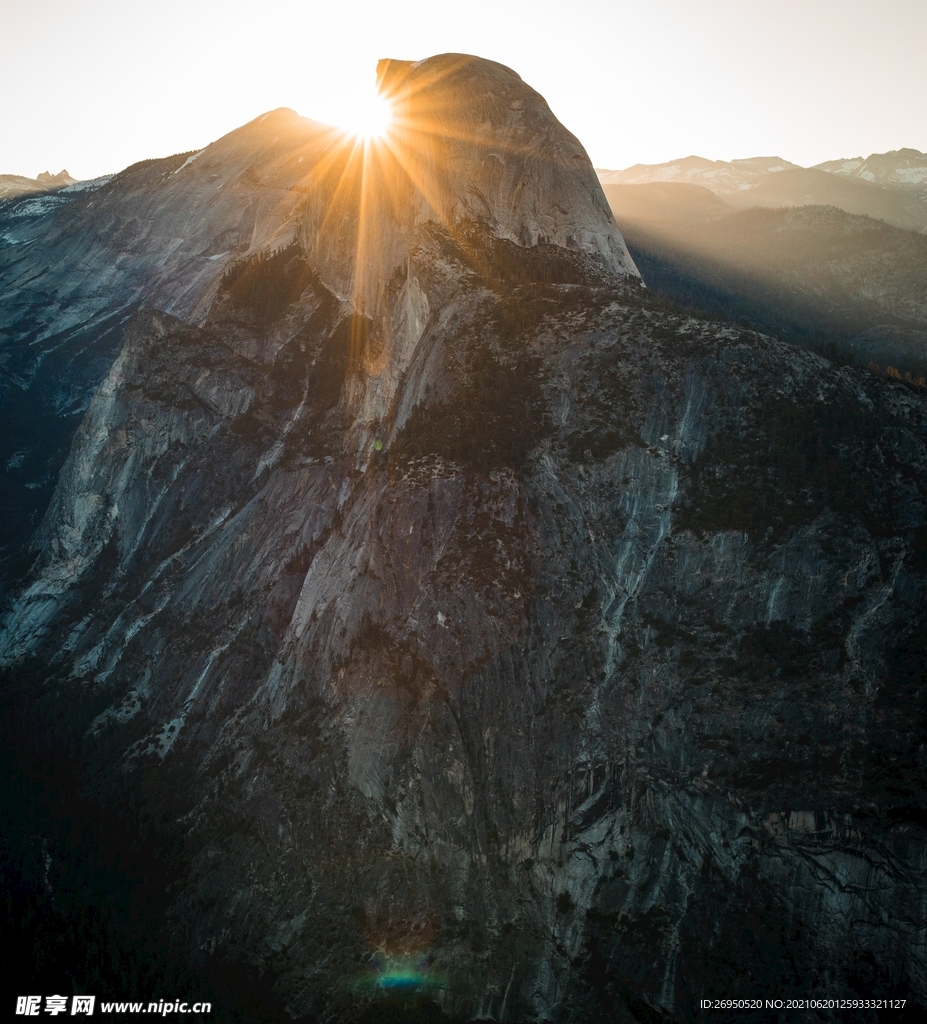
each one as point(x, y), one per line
point(31, 1006)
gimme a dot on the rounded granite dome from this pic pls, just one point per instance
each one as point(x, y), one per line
point(469, 142)
point(489, 149)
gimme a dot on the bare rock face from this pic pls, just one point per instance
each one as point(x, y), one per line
point(78, 262)
point(470, 143)
point(49, 180)
point(485, 147)
point(460, 623)
point(471, 148)
point(163, 232)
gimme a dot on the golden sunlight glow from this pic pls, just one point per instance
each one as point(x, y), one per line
point(368, 118)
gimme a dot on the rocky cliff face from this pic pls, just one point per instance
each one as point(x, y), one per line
point(479, 629)
point(77, 263)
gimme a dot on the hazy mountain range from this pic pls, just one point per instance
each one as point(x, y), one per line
point(901, 168)
point(819, 256)
point(888, 186)
point(409, 615)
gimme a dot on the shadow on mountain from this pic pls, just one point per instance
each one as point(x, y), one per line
point(843, 284)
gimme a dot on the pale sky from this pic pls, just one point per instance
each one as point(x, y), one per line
point(94, 85)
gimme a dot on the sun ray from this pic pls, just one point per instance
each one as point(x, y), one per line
point(369, 117)
point(399, 156)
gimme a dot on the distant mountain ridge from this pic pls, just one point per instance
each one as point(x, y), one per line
point(900, 168)
point(888, 186)
point(12, 185)
point(721, 176)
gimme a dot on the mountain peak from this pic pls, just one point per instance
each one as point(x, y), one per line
point(470, 143)
point(721, 176)
point(54, 180)
point(904, 169)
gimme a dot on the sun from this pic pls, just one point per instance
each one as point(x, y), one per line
point(369, 117)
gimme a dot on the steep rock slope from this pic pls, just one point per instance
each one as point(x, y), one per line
point(76, 263)
point(478, 629)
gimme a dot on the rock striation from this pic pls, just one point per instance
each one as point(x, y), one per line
point(77, 263)
point(472, 625)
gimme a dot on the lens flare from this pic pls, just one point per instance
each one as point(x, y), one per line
point(390, 977)
point(369, 118)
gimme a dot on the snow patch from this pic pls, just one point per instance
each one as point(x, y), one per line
point(37, 207)
point(91, 185)
point(168, 735)
point(912, 175)
point(189, 160)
